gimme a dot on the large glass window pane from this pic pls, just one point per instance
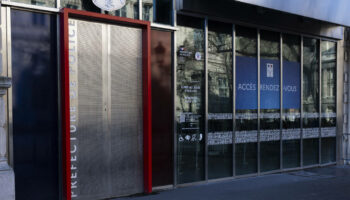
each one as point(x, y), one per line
point(80, 4)
point(291, 101)
point(269, 101)
point(190, 99)
point(219, 100)
point(48, 3)
point(328, 106)
point(246, 101)
point(310, 101)
point(35, 111)
point(162, 114)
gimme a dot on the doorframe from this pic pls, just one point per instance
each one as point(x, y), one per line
point(65, 15)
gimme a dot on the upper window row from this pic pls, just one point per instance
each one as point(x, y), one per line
point(158, 11)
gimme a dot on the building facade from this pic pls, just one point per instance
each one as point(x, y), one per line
point(161, 94)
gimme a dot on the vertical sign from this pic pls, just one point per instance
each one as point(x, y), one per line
point(73, 101)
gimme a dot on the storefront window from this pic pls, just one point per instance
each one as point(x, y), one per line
point(190, 93)
point(328, 106)
point(220, 98)
point(291, 101)
point(80, 5)
point(310, 101)
point(269, 101)
point(48, 3)
point(246, 101)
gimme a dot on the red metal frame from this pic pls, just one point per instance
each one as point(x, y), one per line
point(147, 93)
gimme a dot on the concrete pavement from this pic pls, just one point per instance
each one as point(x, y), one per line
point(328, 183)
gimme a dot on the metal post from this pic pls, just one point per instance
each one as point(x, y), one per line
point(258, 136)
point(320, 101)
point(301, 99)
point(173, 100)
point(233, 100)
point(281, 100)
point(206, 97)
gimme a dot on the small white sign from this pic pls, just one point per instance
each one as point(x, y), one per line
point(109, 5)
point(198, 56)
point(269, 70)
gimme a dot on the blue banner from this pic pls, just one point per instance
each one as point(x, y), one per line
point(247, 83)
point(269, 84)
point(291, 85)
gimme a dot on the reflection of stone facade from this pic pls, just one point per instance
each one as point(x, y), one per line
point(7, 182)
point(344, 46)
point(50, 3)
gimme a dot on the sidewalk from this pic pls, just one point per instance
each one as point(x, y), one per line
point(329, 183)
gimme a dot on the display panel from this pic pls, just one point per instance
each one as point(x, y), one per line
point(269, 101)
point(35, 105)
point(220, 97)
point(189, 100)
point(328, 101)
point(162, 112)
point(291, 101)
point(311, 101)
point(246, 101)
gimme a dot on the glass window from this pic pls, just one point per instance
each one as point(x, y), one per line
point(158, 11)
point(310, 101)
point(130, 10)
point(48, 3)
point(220, 98)
point(328, 101)
point(291, 101)
point(162, 114)
point(147, 6)
point(80, 5)
point(269, 101)
point(35, 111)
point(190, 93)
point(246, 101)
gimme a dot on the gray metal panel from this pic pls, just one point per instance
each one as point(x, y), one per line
point(126, 110)
point(334, 11)
point(91, 137)
point(107, 146)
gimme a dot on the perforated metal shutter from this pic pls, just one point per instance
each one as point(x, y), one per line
point(126, 109)
point(109, 121)
point(91, 135)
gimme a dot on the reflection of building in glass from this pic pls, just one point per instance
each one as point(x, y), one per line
point(147, 10)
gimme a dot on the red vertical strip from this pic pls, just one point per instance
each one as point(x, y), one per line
point(65, 106)
point(147, 109)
